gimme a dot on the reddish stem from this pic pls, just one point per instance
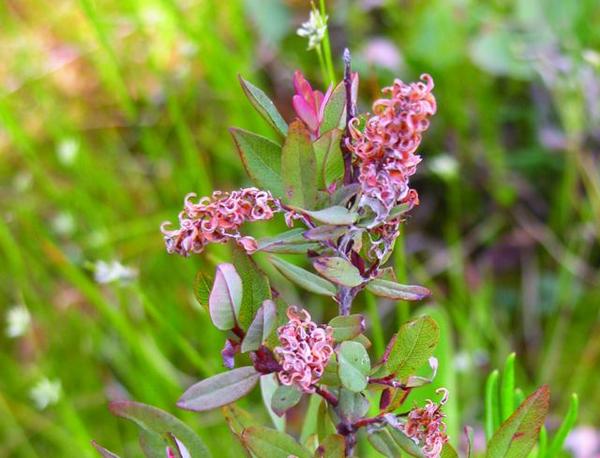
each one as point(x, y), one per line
point(327, 395)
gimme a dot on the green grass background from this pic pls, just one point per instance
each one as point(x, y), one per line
point(144, 90)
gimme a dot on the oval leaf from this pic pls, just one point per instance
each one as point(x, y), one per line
point(352, 406)
point(333, 446)
point(338, 270)
point(225, 297)
point(334, 108)
point(298, 167)
point(264, 106)
point(330, 162)
point(269, 443)
point(353, 365)
point(304, 278)
point(519, 433)
point(219, 390)
point(413, 346)
point(393, 290)
point(284, 398)
point(158, 422)
point(347, 327)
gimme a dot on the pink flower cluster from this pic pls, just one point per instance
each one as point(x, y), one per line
point(217, 219)
point(426, 427)
point(305, 350)
point(386, 148)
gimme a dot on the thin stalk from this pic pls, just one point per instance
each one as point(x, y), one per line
point(327, 46)
point(376, 327)
point(322, 64)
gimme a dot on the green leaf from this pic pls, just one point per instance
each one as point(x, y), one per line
point(284, 398)
point(292, 242)
point(104, 452)
point(354, 365)
point(352, 406)
point(559, 438)
point(518, 435)
point(393, 290)
point(338, 270)
point(413, 346)
point(268, 386)
point(328, 153)
point(256, 288)
point(261, 158)
point(304, 278)
point(333, 446)
point(330, 375)
point(219, 390)
point(237, 418)
point(158, 422)
point(269, 443)
point(264, 106)
point(261, 328)
point(393, 442)
point(298, 167)
point(334, 109)
point(202, 287)
point(347, 327)
point(336, 215)
point(225, 297)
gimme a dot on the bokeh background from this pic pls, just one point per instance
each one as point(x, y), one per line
point(111, 111)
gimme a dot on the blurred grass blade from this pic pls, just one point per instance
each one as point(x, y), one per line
point(492, 405)
point(565, 427)
point(507, 389)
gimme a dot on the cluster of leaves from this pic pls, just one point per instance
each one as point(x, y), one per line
point(309, 174)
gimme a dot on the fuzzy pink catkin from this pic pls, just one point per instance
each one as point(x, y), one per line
point(385, 149)
point(425, 425)
point(304, 351)
point(217, 219)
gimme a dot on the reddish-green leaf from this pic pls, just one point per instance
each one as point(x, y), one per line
point(292, 242)
point(519, 433)
point(393, 290)
point(219, 390)
point(261, 158)
point(264, 106)
point(162, 423)
point(298, 167)
point(413, 346)
point(338, 270)
point(269, 443)
point(225, 297)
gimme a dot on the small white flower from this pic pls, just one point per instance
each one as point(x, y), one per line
point(45, 393)
point(108, 272)
point(18, 321)
point(445, 166)
point(63, 223)
point(314, 29)
point(67, 151)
